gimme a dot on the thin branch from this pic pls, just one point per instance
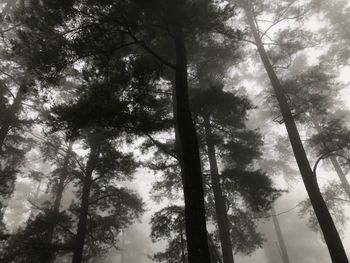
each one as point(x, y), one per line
point(35, 206)
point(101, 197)
point(323, 156)
point(278, 214)
point(10, 76)
point(149, 50)
point(8, 89)
point(162, 147)
point(66, 229)
point(9, 29)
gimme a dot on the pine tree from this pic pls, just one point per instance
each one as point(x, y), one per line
point(329, 230)
point(153, 28)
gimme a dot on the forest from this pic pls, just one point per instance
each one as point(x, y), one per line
point(174, 131)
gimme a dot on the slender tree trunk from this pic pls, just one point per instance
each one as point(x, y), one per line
point(196, 233)
point(344, 182)
point(10, 116)
point(62, 179)
point(183, 254)
point(282, 245)
point(325, 220)
point(59, 192)
point(122, 256)
point(84, 207)
point(35, 199)
point(220, 207)
point(214, 253)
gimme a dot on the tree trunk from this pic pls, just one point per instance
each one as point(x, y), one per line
point(10, 116)
point(282, 245)
point(196, 233)
point(62, 179)
point(220, 207)
point(84, 207)
point(344, 182)
point(183, 253)
point(325, 220)
point(214, 254)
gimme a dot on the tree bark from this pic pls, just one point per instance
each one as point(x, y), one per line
point(220, 207)
point(325, 220)
point(84, 207)
point(282, 245)
point(195, 220)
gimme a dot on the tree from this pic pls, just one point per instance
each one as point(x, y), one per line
point(169, 224)
point(329, 230)
point(150, 26)
point(222, 128)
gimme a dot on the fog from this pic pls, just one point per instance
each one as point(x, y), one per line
point(175, 131)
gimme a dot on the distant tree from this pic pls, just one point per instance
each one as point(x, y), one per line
point(169, 224)
point(225, 140)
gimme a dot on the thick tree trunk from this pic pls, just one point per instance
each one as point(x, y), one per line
point(196, 233)
point(10, 116)
point(325, 220)
point(282, 245)
point(84, 207)
point(220, 207)
point(62, 179)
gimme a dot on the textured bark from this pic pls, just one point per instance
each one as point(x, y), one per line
point(220, 207)
point(84, 207)
point(282, 245)
point(195, 221)
point(325, 220)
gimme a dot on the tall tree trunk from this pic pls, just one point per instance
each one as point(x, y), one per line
point(282, 245)
point(84, 207)
point(220, 207)
point(62, 179)
point(10, 116)
point(196, 233)
point(325, 220)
